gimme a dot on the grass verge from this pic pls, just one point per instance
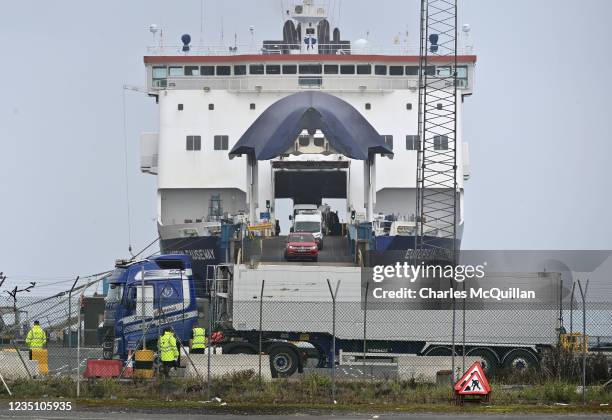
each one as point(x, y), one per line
point(244, 393)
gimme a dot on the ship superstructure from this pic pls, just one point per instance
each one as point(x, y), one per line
point(309, 117)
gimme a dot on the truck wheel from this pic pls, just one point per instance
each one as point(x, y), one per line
point(488, 359)
point(284, 361)
point(520, 360)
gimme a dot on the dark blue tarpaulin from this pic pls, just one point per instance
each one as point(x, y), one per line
point(275, 131)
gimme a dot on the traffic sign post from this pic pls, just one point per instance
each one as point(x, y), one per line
point(473, 385)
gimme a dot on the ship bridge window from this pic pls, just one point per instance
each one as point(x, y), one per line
point(380, 70)
point(364, 69)
point(290, 69)
point(207, 70)
point(273, 69)
point(177, 71)
point(310, 69)
point(412, 70)
point(331, 69)
point(159, 77)
point(388, 139)
point(240, 70)
point(221, 142)
point(224, 71)
point(462, 76)
point(310, 81)
point(462, 72)
point(440, 142)
point(160, 72)
point(256, 69)
point(192, 71)
point(347, 69)
point(413, 142)
point(396, 70)
point(443, 71)
point(194, 143)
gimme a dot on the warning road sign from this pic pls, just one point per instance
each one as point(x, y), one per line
point(473, 382)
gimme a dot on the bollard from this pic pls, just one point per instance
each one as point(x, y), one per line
point(143, 364)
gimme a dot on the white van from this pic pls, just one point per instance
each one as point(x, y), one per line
point(310, 222)
point(304, 208)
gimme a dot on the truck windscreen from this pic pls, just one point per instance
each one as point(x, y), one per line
point(115, 292)
point(307, 227)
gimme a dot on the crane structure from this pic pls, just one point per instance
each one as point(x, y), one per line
point(437, 189)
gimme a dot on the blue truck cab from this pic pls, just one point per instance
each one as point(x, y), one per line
point(144, 297)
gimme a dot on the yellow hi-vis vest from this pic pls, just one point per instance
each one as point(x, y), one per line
point(36, 338)
point(167, 347)
point(199, 338)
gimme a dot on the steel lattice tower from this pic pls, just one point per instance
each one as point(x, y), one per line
point(437, 191)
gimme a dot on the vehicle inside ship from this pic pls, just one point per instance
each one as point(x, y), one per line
point(310, 178)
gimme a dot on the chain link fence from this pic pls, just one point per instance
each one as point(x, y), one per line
point(298, 330)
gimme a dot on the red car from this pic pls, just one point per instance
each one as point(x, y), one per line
point(301, 246)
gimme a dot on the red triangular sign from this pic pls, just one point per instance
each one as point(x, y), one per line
point(473, 381)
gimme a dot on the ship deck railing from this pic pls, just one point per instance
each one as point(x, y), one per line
point(291, 83)
point(399, 49)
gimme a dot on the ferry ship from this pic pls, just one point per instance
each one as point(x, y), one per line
point(309, 117)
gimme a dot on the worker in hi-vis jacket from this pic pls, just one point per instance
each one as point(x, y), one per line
point(36, 338)
point(168, 352)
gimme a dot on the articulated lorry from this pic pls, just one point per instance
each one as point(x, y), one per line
point(297, 314)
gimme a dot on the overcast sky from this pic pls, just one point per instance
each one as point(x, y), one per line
point(539, 123)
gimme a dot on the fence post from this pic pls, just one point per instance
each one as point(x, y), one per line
point(572, 308)
point(260, 325)
point(22, 361)
point(6, 386)
point(210, 324)
point(334, 294)
point(212, 292)
point(365, 323)
point(70, 312)
point(70, 322)
point(583, 294)
point(143, 303)
point(453, 344)
point(78, 373)
point(463, 329)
